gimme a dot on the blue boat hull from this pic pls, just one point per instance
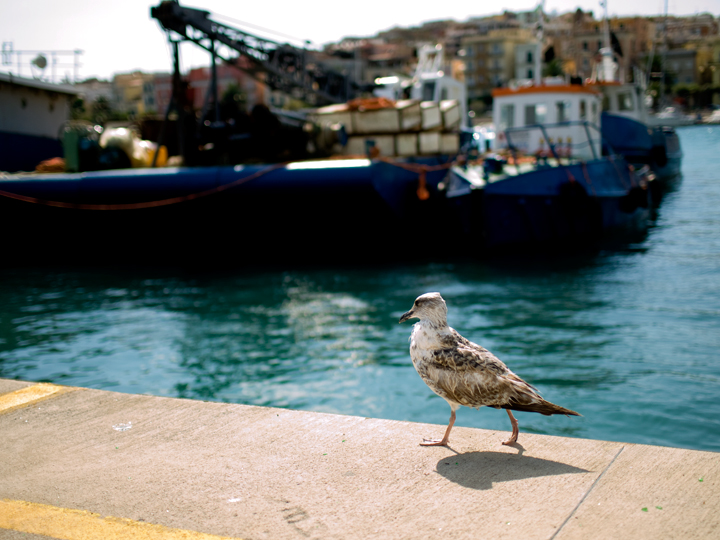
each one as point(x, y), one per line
point(252, 214)
point(569, 205)
point(658, 147)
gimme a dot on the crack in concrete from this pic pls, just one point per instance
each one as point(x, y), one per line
point(586, 494)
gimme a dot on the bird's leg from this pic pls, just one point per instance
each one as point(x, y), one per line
point(445, 439)
point(516, 431)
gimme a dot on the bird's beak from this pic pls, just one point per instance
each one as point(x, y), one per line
point(406, 316)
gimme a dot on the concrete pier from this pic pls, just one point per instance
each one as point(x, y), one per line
point(78, 464)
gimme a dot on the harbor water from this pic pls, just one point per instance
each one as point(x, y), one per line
point(628, 335)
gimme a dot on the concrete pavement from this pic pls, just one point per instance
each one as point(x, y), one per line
point(78, 463)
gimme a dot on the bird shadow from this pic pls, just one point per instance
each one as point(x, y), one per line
point(480, 470)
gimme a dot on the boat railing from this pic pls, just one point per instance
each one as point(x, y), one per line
point(547, 131)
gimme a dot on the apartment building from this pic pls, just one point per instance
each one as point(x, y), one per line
point(490, 60)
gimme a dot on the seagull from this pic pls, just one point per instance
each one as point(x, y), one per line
point(464, 373)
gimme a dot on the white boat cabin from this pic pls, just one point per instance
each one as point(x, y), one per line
point(622, 99)
point(532, 118)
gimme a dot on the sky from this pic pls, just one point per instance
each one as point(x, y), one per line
point(119, 37)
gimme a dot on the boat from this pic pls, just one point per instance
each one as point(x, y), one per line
point(627, 126)
point(269, 186)
point(713, 118)
point(671, 116)
point(548, 182)
point(353, 209)
point(642, 139)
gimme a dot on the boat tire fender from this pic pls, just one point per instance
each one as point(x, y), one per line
point(636, 198)
point(659, 155)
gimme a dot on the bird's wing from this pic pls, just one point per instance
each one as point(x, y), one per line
point(472, 376)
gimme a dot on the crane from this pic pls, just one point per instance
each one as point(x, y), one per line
point(292, 70)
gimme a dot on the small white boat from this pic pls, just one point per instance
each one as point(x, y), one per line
point(671, 116)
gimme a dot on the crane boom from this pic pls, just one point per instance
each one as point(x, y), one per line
point(282, 67)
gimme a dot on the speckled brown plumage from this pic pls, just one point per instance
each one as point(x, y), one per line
point(464, 373)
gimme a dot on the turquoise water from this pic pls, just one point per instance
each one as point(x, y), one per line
point(628, 336)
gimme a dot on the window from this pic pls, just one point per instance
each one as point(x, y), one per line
point(529, 73)
point(583, 109)
point(428, 91)
point(562, 110)
point(594, 118)
point(529, 57)
point(625, 102)
point(606, 103)
point(535, 114)
point(585, 45)
point(507, 117)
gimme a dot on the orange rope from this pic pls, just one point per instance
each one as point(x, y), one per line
point(422, 192)
point(587, 177)
point(617, 170)
point(142, 205)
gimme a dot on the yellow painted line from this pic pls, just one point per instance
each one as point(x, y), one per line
point(69, 524)
point(28, 394)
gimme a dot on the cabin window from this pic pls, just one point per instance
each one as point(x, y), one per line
point(529, 73)
point(529, 57)
point(625, 102)
point(535, 114)
point(606, 103)
point(562, 109)
point(594, 109)
point(507, 117)
point(428, 91)
point(583, 109)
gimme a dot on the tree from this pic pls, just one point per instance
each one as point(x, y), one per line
point(77, 109)
point(553, 68)
point(101, 110)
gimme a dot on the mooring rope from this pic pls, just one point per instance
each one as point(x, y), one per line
point(142, 205)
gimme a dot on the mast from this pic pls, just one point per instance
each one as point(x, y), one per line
point(608, 67)
point(538, 45)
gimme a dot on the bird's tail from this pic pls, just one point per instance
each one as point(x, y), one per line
point(542, 407)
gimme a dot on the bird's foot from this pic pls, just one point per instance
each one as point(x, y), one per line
point(512, 440)
point(434, 442)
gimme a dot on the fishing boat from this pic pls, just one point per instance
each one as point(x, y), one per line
point(643, 139)
point(626, 123)
point(304, 211)
point(548, 181)
point(268, 186)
